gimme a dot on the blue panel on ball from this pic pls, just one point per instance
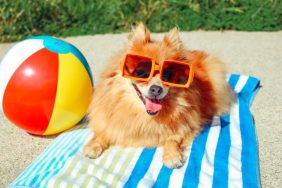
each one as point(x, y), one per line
point(54, 44)
point(57, 45)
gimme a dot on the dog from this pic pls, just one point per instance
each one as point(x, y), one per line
point(135, 105)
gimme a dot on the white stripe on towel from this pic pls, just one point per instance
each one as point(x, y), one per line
point(177, 176)
point(234, 160)
point(207, 167)
point(241, 83)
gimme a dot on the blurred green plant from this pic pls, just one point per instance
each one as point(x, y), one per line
point(23, 18)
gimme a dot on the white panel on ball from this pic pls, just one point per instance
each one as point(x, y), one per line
point(13, 59)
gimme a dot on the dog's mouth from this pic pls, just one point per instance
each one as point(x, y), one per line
point(153, 106)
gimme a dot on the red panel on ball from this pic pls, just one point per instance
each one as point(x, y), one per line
point(30, 94)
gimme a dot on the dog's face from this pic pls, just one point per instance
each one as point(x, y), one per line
point(153, 92)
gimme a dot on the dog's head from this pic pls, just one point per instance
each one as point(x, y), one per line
point(153, 92)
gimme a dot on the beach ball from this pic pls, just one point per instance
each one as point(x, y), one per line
point(45, 85)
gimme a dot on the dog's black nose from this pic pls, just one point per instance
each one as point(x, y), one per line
point(155, 90)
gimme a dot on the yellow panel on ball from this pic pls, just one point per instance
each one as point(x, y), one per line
point(73, 94)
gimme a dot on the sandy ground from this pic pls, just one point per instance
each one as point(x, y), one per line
point(258, 54)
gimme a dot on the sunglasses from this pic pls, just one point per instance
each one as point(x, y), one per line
point(172, 73)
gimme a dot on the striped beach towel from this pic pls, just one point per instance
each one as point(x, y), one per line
point(225, 154)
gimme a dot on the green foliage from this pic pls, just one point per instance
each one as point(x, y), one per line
point(23, 18)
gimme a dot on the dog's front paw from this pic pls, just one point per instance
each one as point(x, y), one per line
point(174, 159)
point(93, 150)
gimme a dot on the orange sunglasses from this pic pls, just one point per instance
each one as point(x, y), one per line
point(172, 73)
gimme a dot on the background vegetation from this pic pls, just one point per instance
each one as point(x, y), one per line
point(23, 18)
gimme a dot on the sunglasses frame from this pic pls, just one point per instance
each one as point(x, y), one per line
point(159, 68)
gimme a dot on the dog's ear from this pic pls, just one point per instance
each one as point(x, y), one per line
point(139, 34)
point(172, 39)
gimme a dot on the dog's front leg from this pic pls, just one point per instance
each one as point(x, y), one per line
point(95, 147)
point(173, 156)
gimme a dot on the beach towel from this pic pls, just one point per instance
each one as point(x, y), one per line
point(225, 154)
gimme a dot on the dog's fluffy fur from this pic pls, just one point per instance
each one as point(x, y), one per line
point(118, 116)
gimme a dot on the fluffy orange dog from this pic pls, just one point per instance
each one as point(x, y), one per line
point(156, 94)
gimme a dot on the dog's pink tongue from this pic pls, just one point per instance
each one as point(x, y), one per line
point(152, 105)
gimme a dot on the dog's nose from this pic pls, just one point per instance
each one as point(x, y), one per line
point(155, 90)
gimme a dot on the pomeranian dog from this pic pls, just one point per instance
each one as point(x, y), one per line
point(156, 94)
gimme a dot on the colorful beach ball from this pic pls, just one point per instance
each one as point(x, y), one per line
point(45, 85)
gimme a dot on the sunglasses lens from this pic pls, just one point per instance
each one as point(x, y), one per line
point(175, 73)
point(137, 66)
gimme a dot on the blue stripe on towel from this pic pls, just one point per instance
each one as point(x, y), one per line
point(141, 167)
point(163, 177)
point(220, 176)
point(249, 90)
point(233, 80)
point(250, 164)
point(192, 173)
